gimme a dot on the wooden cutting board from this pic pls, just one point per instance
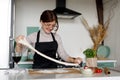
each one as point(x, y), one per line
point(55, 71)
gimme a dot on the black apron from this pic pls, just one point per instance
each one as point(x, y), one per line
point(47, 48)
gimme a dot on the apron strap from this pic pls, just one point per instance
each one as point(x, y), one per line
point(38, 34)
point(53, 37)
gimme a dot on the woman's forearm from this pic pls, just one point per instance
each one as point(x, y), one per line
point(71, 59)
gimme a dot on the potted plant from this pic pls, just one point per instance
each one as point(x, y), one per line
point(91, 59)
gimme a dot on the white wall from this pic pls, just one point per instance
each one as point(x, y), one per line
point(5, 8)
point(113, 38)
point(74, 36)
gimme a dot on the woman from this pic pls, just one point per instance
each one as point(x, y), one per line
point(47, 42)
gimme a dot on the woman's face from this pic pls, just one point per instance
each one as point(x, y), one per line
point(48, 26)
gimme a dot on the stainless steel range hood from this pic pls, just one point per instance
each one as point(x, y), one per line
point(63, 12)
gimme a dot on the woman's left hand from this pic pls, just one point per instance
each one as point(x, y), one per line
point(77, 60)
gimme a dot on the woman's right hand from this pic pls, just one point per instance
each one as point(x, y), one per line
point(19, 46)
point(19, 38)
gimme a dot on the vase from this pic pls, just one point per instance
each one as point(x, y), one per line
point(91, 62)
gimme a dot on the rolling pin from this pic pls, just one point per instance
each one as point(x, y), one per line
point(106, 70)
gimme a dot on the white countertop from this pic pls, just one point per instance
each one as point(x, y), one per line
point(23, 74)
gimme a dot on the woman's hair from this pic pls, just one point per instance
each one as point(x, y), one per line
point(49, 16)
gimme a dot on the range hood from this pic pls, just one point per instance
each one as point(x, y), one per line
point(63, 12)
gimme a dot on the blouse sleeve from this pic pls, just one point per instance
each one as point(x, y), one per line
point(61, 51)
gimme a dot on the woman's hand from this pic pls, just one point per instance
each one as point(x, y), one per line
point(77, 60)
point(19, 46)
point(19, 38)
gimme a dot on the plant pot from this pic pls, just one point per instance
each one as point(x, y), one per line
point(91, 62)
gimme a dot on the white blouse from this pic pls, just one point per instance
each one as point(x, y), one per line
point(44, 37)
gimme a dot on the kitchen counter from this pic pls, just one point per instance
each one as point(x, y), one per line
point(46, 74)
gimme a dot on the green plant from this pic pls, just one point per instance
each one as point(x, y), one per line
point(90, 53)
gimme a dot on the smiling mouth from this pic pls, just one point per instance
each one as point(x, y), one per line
point(48, 30)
